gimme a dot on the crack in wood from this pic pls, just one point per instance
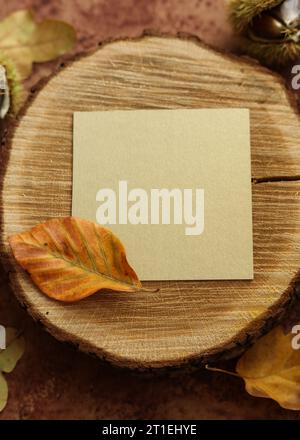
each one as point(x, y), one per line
point(270, 179)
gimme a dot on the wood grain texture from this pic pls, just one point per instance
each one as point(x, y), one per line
point(185, 321)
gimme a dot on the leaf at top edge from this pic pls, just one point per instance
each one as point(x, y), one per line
point(25, 41)
point(17, 26)
point(15, 347)
point(271, 368)
point(51, 39)
point(70, 259)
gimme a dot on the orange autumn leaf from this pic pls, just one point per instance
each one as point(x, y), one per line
point(70, 259)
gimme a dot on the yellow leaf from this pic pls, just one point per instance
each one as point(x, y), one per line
point(51, 39)
point(17, 27)
point(9, 357)
point(271, 368)
point(3, 392)
point(25, 41)
point(70, 259)
point(15, 346)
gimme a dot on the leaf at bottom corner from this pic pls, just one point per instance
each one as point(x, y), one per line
point(3, 392)
point(271, 368)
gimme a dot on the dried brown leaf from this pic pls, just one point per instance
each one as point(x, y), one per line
point(70, 259)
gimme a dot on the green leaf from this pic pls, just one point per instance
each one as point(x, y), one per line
point(3, 392)
point(25, 41)
point(15, 346)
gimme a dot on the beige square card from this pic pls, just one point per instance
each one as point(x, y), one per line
point(173, 185)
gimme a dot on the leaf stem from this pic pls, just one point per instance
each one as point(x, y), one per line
point(220, 370)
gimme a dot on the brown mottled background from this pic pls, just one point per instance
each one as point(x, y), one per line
point(53, 381)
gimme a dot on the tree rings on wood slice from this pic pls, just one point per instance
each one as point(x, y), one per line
point(185, 321)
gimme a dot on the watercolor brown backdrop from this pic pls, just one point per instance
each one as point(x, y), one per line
point(53, 380)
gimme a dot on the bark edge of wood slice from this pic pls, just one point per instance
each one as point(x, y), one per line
point(185, 322)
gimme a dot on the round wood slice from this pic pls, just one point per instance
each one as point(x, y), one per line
point(185, 321)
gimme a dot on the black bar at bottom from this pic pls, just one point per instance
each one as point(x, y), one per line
point(135, 429)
